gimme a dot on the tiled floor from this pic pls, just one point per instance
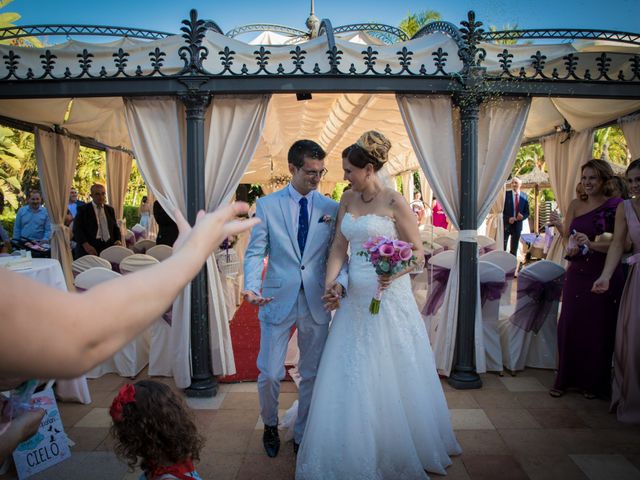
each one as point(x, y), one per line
point(510, 429)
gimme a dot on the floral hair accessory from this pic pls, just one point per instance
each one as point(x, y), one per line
point(325, 219)
point(126, 394)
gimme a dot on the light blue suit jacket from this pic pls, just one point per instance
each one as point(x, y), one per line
point(288, 271)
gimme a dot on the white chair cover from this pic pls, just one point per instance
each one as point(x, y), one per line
point(448, 242)
point(137, 261)
point(443, 262)
point(88, 261)
point(440, 232)
point(485, 244)
point(506, 262)
point(115, 254)
point(160, 252)
point(134, 356)
point(142, 246)
point(492, 279)
point(129, 239)
point(520, 347)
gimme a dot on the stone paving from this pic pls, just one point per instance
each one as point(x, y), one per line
point(509, 429)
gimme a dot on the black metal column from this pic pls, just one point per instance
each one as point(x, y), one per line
point(203, 383)
point(464, 375)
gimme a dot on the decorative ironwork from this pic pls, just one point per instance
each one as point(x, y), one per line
point(386, 30)
point(193, 53)
point(213, 26)
point(472, 34)
point(614, 67)
point(565, 34)
point(68, 30)
point(266, 27)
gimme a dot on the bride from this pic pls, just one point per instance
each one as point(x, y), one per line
point(378, 410)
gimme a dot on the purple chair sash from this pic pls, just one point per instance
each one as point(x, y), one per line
point(115, 267)
point(131, 241)
point(439, 285)
point(168, 315)
point(633, 259)
point(531, 317)
point(491, 291)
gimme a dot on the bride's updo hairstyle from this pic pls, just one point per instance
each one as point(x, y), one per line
point(372, 147)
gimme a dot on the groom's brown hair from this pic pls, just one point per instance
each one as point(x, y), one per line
point(305, 148)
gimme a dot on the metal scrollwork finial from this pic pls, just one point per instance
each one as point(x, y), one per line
point(472, 34)
point(193, 53)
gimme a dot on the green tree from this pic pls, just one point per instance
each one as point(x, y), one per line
point(413, 22)
point(11, 157)
point(91, 168)
point(528, 157)
point(7, 20)
point(609, 144)
point(507, 28)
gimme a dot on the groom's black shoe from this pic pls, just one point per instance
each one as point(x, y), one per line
point(296, 447)
point(271, 440)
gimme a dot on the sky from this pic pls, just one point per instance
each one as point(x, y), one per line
point(166, 15)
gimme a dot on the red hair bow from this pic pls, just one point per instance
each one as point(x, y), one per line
point(126, 394)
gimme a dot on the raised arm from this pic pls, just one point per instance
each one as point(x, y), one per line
point(614, 254)
point(63, 334)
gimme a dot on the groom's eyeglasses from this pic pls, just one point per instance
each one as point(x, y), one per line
point(314, 173)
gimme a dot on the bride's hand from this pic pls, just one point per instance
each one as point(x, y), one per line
point(384, 281)
point(332, 294)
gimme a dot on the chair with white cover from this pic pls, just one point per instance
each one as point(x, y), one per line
point(160, 252)
point(529, 335)
point(133, 357)
point(115, 254)
point(448, 242)
point(141, 246)
point(492, 283)
point(88, 261)
point(159, 334)
point(506, 262)
point(439, 266)
point(485, 244)
point(129, 239)
point(137, 261)
point(440, 232)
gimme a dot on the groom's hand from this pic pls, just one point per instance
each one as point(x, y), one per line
point(256, 299)
point(333, 292)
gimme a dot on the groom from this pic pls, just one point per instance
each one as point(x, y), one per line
point(297, 224)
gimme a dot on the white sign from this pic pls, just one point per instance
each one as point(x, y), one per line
point(47, 447)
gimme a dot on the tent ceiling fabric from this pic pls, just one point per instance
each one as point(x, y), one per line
point(334, 120)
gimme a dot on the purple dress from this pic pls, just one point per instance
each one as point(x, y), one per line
point(625, 399)
point(587, 325)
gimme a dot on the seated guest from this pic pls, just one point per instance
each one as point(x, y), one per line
point(95, 227)
point(32, 224)
point(167, 228)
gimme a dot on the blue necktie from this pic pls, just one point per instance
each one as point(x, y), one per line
point(303, 225)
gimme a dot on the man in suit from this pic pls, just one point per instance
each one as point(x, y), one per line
point(297, 224)
point(516, 210)
point(95, 227)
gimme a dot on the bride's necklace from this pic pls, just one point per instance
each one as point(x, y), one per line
point(371, 199)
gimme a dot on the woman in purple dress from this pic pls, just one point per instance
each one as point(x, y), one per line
point(587, 325)
point(438, 215)
point(625, 398)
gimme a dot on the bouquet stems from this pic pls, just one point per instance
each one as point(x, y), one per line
point(374, 306)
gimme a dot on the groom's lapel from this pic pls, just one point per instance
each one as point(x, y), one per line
point(286, 217)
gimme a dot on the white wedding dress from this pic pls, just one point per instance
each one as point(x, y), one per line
point(378, 410)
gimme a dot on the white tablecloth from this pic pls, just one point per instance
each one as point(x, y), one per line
point(49, 272)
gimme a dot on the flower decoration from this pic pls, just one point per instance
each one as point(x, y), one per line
point(325, 219)
point(279, 181)
point(127, 394)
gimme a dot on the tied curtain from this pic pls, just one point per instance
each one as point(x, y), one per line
point(118, 172)
point(564, 157)
point(433, 127)
point(157, 128)
point(631, 129)
point(56, 156)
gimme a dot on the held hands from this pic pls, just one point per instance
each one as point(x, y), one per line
point(601, 285)
point(255, 299)
point(333, 292)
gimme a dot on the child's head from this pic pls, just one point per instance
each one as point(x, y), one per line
point(151, 426)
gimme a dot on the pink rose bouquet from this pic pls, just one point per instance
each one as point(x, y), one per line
point(388, 257)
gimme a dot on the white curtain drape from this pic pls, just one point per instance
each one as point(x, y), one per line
point(157, 131)
point(56, 156)
point(234, 131)
point(430, 125)
point(495, 222)
point(564, 157)
point(631, 128)
point(118, 172)
point(407, 178)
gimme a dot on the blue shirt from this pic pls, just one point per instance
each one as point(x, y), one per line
point(294, 205)
point(32, 225)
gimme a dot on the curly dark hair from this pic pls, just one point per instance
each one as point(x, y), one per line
point(155, 428)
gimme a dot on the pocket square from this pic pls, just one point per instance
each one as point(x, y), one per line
point(325, 219)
